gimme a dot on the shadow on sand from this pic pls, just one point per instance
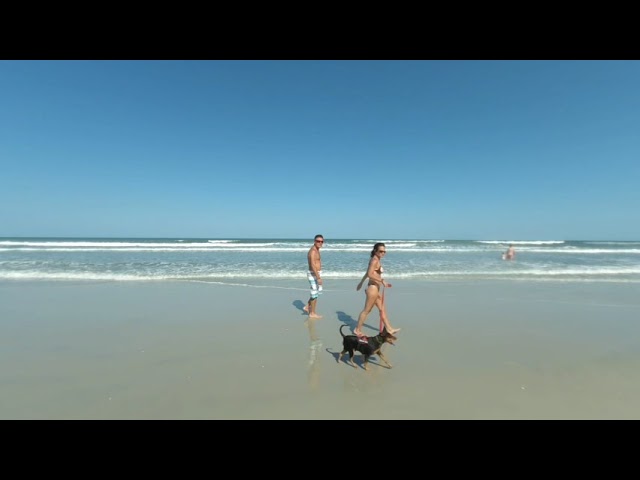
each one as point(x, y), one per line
point(299, 304)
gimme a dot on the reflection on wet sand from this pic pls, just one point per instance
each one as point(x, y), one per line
point(315, 345)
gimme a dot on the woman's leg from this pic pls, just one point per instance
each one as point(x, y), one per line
point(383, 316)
point(372, 294)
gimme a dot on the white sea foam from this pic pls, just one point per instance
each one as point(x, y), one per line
point(123, 259)
point(522, 242)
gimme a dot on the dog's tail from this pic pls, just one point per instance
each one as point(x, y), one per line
point(343, 325)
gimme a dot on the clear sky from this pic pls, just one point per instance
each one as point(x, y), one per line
point(493, 150)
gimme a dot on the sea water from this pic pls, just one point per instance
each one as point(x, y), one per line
point(220, 260)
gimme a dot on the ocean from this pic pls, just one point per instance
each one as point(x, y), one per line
point(222, 260)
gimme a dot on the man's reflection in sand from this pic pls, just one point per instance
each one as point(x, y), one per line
point(315, 345)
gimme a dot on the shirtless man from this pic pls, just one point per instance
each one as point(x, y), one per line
point(314, 275)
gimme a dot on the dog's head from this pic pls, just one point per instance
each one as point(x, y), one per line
point(388, 337)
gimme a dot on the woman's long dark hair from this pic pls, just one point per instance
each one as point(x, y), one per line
point(376, 247)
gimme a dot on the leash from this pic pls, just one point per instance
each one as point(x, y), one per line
point(381, 322)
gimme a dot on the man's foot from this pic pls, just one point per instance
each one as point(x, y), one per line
point(358, 333)
point(314, 315)
point(306, 308)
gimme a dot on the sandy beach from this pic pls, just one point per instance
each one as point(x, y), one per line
point(467, 350)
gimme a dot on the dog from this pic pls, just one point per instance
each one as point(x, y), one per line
point(372, 346)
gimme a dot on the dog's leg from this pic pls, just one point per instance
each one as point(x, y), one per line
point(340, 356)
point(379, 352)
point(366, 362)
point(351, 359)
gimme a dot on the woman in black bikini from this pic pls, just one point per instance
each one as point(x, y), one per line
point(374, 290)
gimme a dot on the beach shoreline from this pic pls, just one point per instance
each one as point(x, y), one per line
point(242, 350)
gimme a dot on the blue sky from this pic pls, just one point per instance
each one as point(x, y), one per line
point(516, 150)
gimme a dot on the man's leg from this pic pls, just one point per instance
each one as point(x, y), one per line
point(312, 308)
point(313, 299)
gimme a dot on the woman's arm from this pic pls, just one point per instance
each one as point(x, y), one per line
point(373, 266)
point(366, 274)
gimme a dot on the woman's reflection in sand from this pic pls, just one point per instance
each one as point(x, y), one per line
point(315, 345)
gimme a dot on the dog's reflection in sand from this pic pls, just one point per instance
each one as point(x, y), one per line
point(372, 380)
point(315, 345)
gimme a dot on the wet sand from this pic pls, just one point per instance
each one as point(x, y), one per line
point(467, 350)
